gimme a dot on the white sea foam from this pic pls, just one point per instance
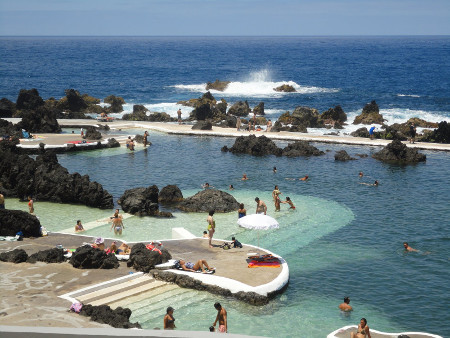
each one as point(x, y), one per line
point(408, 95)
point(257, 84)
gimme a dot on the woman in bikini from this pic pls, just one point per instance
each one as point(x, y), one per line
point(117, 223)
point(79, 226)
point(211, 226)
point(276, 198)
point(193, 267)
point(242, 212)
point(30, 205)
point(363, 330)
point(169, 321)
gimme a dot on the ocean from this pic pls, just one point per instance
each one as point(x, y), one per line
point(343, 239)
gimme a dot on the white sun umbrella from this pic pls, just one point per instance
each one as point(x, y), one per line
point(258, 222)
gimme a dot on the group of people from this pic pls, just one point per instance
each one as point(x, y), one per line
point(123, 249)
point(221, 318)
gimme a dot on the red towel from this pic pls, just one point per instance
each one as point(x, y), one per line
point(256, 264)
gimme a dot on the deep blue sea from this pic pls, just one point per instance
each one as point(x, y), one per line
point(344, 238)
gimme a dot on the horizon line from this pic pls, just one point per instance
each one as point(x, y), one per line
point(225, 36)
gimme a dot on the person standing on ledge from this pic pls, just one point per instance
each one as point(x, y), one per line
point(211, 226)
point(412, 132)
point(179, 115)
point(221, 318)
point(371, 130)
point(2, 201)
point(345, 306)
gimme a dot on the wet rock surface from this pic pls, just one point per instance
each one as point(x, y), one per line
point(396, 151)
point(209, 199)
point(343, 156)
point(301, 148)
point(140, 201)
point(170, 194)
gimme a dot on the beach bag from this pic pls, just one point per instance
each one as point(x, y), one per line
point(76, 307)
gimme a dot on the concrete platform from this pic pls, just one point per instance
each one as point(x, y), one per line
point(185, 129)
point(344, 332)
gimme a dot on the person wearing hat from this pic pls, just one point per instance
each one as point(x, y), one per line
point(169, 321)
point(99, 243)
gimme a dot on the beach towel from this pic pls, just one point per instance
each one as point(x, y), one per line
point(256, 264)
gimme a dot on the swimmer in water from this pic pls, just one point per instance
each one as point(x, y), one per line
point(244, 177)
point(288, 201)
point(304, 178)
point(345, 306)
point(408, 248)
point(375, 184)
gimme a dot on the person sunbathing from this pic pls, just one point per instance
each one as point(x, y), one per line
point(189, 266)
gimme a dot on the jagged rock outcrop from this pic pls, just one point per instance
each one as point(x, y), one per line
point(143, 259)
point(14, 256)
point(396, 151)
point(370, 115)
point(13, 221)
point(54, 255)
point(202, 125)
point(259, 109)
point(342, 155)
point(7, 108)
point(252, 145)
point(285, 88)
point(87, 257)
point(46, 180)
point(439, 135)
point(9, 129)
point(301, 148)
point(334, 115)
point(209, 199)
point(140, 201)
point(278, 126)
point(139, 114)
point(240, 108)
point(29, 99)
point(75, 101)
point(116, 103)
point(118, 318)
point(160, 117)
point(217, 85)
point(170, 194)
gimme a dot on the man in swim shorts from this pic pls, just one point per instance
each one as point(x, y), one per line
point(221, 318)
point(261, 207)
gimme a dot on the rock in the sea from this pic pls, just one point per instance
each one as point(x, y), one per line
point(342, 155)
point(87, 257)
point(75, 101)
point(209, 199)
point(170, 194)
point(217, 85)
point(240, 108)
point(54, 255)
point(13, 221)
point(118, 318)
point(258, 146)
point(259, 109)
point(439, 135)
point(140, 201)
point(370, 115)
point(335, 114)
point(139, 114)
point(143, 259)
point(116, 103)
point(202, 125)
point(285, 88)
point(301, 148)
point(396, 151)
point(306, 116)
point(14, 256)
